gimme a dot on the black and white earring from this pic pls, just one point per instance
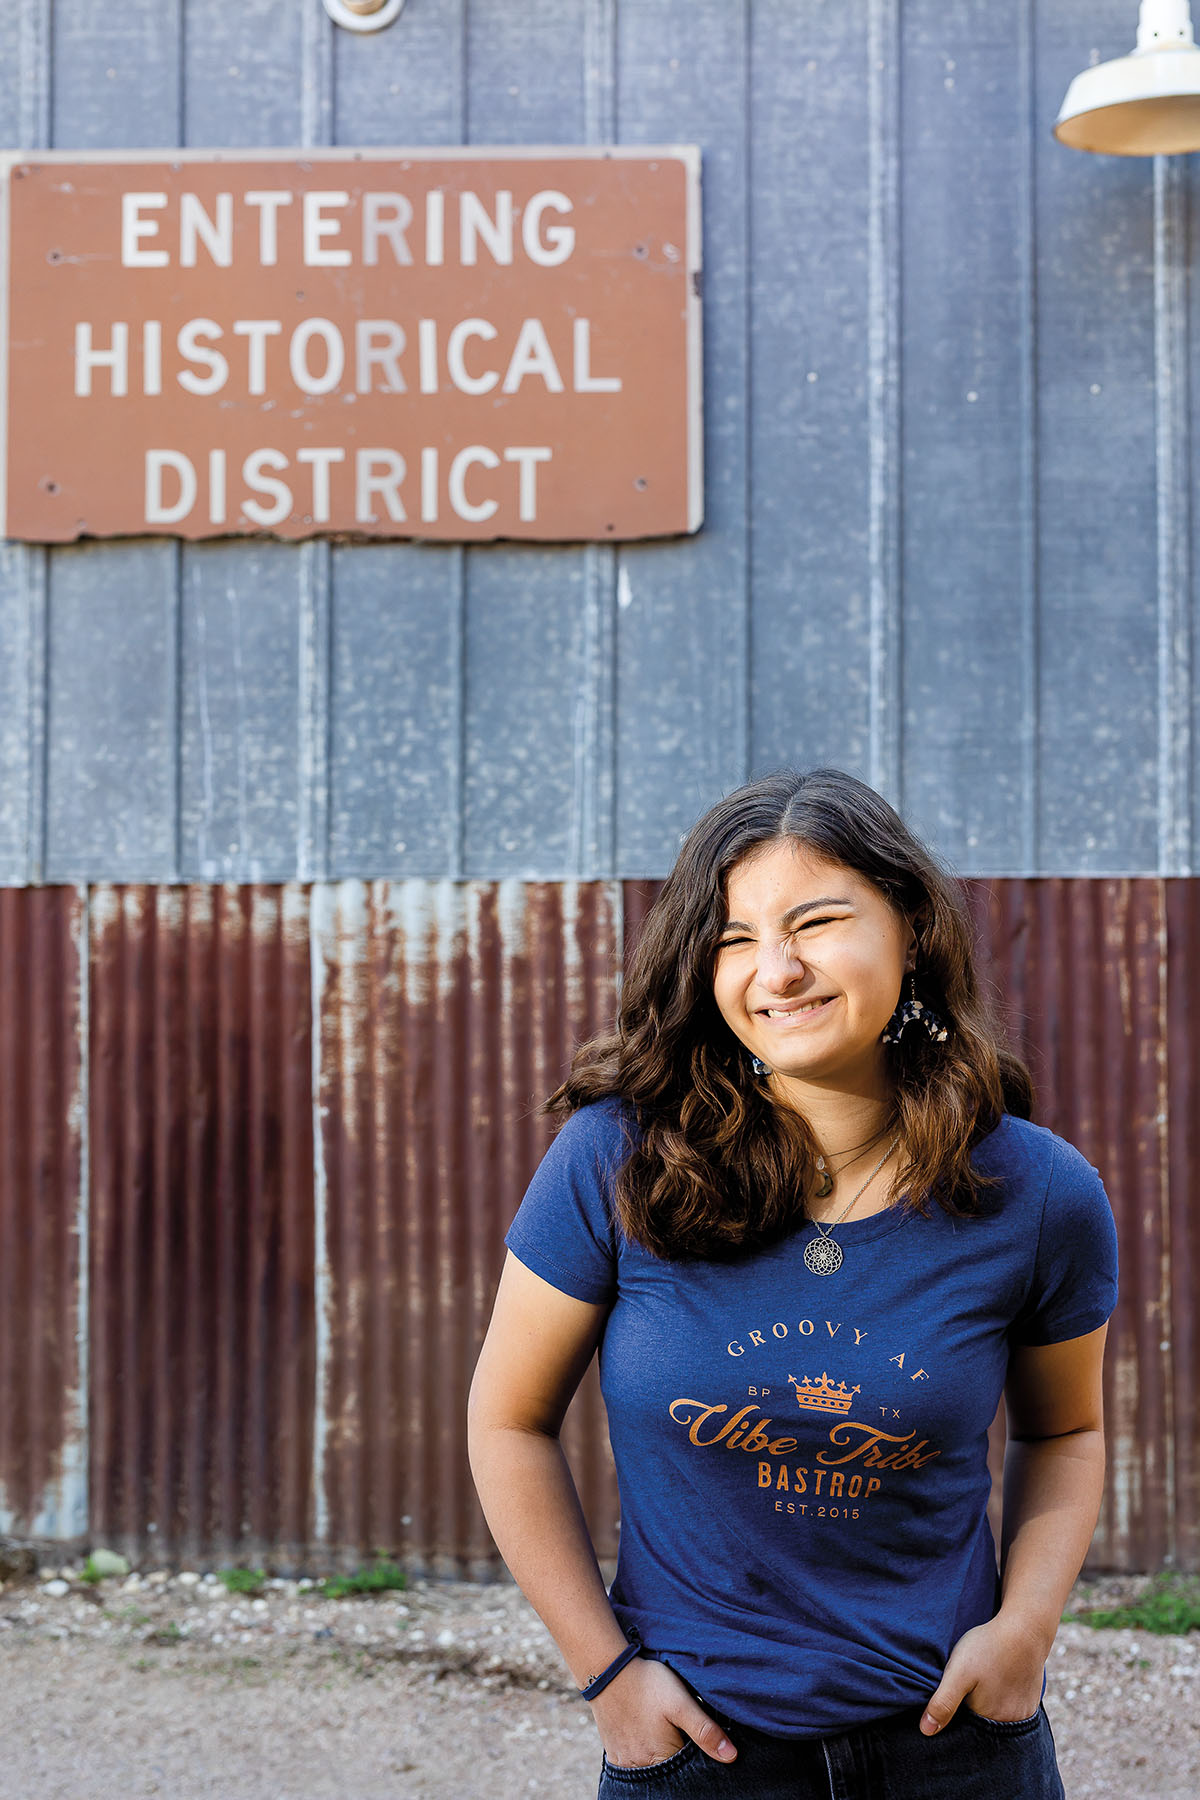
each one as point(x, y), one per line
point(759, 1066)
point(913, 1012)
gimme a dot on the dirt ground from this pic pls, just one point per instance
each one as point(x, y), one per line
point(166, 1685)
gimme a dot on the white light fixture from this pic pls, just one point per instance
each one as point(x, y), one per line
point(363, 15)
point(1143, 104)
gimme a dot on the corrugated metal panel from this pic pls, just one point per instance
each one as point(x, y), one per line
point(948, 425)
point(201, 1273)
point(277, 1337)
point(1183, 1076)
point(43, 1406)
point(1096, 982)
point(1083, 970)
point(446, 1013)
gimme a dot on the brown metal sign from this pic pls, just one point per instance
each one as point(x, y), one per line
point(434, 344)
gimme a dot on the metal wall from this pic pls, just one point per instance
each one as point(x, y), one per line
point(948, 382)
point(445, 1013)
point(292, 1125)
point(1097, 981)
point(258, 1141)
point(201, 1291)
point(43, 1213)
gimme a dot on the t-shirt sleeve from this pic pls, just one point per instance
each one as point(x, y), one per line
point(564, 1229)
point(1074, 1285)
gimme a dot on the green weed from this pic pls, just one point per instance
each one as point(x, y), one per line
point(382, 1577)
point(242, 1581)
point(167, 1634)
point(1170, 1606)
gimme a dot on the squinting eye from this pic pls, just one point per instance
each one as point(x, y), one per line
point(728, 943)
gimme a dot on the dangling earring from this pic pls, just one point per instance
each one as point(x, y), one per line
point(759, 1066)
point(913, 1012)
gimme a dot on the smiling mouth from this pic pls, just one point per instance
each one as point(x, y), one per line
point(797, 1012)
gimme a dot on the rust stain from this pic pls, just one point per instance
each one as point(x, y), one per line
point(1182, 1054)
point(201, 1269)
point(447, 1012)
point(42, 1411)
point(1080, 969)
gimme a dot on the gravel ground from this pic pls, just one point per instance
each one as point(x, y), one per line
point(165, 1684)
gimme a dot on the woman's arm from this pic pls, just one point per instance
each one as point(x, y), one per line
point(538, 1345)
point(1053, 1481)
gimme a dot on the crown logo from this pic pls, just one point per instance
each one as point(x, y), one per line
point(821, 1396)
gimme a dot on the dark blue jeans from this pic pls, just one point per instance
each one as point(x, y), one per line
point(972, 1759)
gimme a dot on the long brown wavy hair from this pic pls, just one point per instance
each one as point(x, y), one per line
point(717, 1165)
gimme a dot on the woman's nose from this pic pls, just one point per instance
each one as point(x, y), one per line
point(778, 967)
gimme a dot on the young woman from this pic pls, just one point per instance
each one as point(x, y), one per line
point(798, 1207)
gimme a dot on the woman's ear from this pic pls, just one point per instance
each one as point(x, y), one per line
point(916, 925)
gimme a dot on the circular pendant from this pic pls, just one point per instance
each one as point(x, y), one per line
point(822, 1256)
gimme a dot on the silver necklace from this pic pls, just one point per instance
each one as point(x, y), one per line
point(826, 1186)
point(822, 1256)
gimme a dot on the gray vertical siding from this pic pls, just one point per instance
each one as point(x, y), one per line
point(399, 611)
point(969, 561)
point(949, 387)
point(1097, 567)
point(682, 637)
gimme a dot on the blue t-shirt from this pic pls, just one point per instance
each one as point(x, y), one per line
point(802, 1459)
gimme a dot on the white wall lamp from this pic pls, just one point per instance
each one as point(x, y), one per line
point(1143, 104)
point(363, 15)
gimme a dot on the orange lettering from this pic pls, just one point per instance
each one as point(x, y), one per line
point(706, 1412)
point(870, 1436)
point(756, 1438)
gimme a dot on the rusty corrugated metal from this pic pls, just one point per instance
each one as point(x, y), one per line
point(1096, 982)
point(1183, 1160)
point(447, 1012)
point(42, 1406)
point(201, 1235)
point(280, 1341)
point(1083, 971)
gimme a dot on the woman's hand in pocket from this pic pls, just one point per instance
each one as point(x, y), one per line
point(995, 1670)
point(646, 1715)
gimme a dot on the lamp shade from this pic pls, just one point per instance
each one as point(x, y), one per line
point(1144, 104)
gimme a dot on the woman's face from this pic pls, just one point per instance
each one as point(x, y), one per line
point(810, 967)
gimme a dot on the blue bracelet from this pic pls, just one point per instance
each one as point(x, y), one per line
point(599, 1682)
